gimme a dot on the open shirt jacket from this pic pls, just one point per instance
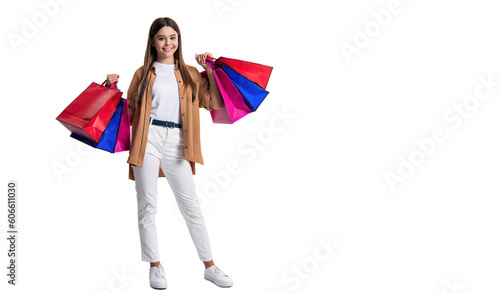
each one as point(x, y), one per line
point(191, 99)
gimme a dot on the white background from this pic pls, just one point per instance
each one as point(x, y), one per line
point(318, 177)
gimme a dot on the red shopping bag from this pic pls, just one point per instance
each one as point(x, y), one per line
point(89, 114)
point(234, 107)
point(257, 73)
point(116, 136)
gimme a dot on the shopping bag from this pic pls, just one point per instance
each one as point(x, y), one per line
point(123, 139)
point(255, 72)
point(89, 114)
point(234, 107)
point(110, 138)
point(251, 92)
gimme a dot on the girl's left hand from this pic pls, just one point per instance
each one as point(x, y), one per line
point(200, 58)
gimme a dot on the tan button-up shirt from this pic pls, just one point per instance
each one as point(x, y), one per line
point(191, 99)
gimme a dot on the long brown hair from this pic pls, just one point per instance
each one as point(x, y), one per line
point(151, 53)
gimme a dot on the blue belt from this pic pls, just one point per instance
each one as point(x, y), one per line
point(165, 123)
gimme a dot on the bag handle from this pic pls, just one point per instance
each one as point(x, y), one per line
point(113, 85)
point(211, 62)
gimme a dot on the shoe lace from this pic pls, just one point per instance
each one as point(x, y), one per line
point(159, 272)
point(219, 272)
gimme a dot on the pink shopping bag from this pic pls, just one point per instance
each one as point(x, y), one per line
point(234, 107)
point(123, 139)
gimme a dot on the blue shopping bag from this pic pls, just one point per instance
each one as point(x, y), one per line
point(110, 134)
point(251, 92)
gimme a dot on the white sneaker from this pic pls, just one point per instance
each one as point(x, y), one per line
point(218, 277)
point(157, 278)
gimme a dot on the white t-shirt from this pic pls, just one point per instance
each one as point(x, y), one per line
point(165, 105)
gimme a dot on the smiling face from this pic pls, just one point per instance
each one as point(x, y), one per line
point(165, 41)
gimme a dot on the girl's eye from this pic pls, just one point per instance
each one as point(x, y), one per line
point(172, 38)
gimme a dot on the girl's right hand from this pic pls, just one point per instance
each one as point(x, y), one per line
point(112, 78)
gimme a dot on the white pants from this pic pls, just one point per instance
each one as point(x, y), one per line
point(165, 149)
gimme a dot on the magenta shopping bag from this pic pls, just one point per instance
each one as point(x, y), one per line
point(123, 139)
point(234, 107)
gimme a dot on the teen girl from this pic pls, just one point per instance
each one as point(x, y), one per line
point(164, 98)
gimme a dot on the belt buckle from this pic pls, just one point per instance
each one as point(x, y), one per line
point(170, 125)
